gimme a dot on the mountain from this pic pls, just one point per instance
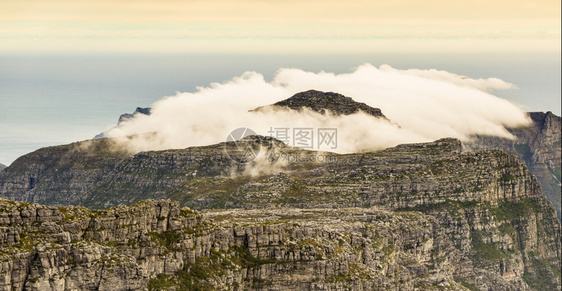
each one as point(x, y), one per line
point(539, 146)
point(2, 167)
point(139, 110)
point(361, 214)
point(429, 216)
point(126, 116)
point(323, 102)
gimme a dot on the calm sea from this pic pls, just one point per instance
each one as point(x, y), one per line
point(51, 100)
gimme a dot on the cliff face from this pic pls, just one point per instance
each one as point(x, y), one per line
point(538, 146)
point(160, 246)
point(482, 211)
point(157, 245)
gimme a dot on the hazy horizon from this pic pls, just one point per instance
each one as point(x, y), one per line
point(278, 27)
point(54, 99)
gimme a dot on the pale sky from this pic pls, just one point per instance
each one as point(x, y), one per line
point(289, 26)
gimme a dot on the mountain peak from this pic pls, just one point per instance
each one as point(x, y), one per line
point(322, 102)
point(139, 110)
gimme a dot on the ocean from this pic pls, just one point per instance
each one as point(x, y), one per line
point(57, 99)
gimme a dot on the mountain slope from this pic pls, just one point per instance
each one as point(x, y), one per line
point(2, 167)
point(90, 173)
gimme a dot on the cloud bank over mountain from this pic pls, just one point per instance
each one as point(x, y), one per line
point(423, 105)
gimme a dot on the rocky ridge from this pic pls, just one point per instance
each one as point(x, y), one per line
point(91, 173)
point(2, 167)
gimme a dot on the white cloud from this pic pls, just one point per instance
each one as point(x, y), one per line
point(426, 104)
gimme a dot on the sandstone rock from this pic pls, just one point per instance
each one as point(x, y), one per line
point(314, 249)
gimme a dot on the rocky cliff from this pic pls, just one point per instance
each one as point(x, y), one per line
point(158, 246)
point(538, 146)
point(485, 204)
